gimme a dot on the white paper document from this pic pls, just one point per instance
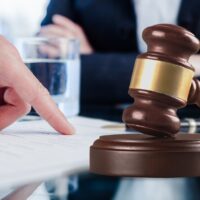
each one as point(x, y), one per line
point(32, 151)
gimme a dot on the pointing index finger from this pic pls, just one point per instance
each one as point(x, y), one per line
point(47, 109)
point(32, 92)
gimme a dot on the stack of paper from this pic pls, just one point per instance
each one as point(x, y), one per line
point(32, 151)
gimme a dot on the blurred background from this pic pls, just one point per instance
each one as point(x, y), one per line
point(21, 18)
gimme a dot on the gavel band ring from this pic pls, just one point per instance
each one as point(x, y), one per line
point(162, 77)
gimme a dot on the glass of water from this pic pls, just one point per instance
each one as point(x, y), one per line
point(56, 64)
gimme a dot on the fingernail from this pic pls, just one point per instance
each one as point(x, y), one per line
point(72, 129)
point(68, 126)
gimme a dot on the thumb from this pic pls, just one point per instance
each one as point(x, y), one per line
point(13, 108)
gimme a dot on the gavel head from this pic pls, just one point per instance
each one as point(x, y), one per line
point(161, 80)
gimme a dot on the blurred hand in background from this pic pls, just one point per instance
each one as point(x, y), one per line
point(64, 27)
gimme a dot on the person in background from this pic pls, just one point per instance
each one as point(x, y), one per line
point(110, 36)
point(19, 90)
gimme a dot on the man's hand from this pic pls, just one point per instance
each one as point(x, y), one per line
point(64, 27)
point(19, 89)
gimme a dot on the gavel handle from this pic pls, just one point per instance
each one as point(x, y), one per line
point(194, 94)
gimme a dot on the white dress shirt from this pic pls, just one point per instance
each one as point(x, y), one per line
point(150, 12)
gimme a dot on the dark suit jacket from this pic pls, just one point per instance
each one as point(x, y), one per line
point(110, 26)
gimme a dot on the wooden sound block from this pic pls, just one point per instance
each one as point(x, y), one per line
point(140, 155)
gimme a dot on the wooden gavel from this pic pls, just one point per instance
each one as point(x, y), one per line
point(162, 81)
